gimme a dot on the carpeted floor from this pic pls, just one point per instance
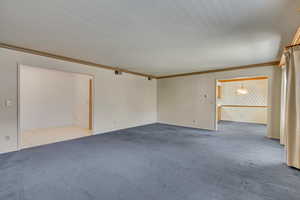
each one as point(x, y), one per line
point(157, 162)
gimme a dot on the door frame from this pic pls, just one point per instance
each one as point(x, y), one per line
point(269, 105)
point(91, 101)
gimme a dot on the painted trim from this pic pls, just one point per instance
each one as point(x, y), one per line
point(74, 60)
point(244, 79)
point(273, 138)
point(19, 135)
point(122, 129)
point(189, 127)
point(91, 104)
point(242, 106)
point(272, 63)
point(84, 62)
point(219, 91)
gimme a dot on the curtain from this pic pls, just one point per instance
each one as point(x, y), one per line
point(292, 117)
point(283, 104)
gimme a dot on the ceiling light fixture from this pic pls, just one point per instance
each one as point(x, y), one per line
point(242, 90)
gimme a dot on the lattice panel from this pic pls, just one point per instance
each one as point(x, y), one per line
point(257, 93)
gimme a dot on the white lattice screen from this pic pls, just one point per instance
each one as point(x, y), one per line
point(257, 96)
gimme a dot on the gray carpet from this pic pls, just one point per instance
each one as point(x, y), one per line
point(158, 162)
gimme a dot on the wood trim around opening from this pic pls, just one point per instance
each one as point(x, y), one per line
point(242, 106)
point(272, 63)
point(219, 113)
point(91, 104)
point(219, 91)
point(74, 60)
point(244, 79)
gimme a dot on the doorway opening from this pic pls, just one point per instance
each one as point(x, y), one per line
point(53, 106)
point(242, 100)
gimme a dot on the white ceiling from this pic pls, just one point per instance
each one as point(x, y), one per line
point(159, 37)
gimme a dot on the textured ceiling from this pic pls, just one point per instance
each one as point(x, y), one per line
point(159, 37)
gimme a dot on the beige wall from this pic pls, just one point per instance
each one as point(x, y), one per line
point(52, 98)
point(190, 100)
point(120, 101)
point(128, 100)
point(81, 100)
point(46, 98)
point(257, 96)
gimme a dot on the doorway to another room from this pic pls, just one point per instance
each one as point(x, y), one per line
point(242, 100)
point(54, 106)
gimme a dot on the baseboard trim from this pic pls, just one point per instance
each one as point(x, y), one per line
point(93, 134)
point(273, 138)
point(191, 127)
point(100, 133)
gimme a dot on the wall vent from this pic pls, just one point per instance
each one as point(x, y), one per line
point(117, 72)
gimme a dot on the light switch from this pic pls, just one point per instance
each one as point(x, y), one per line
point(8, 103)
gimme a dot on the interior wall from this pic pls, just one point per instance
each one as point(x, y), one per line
point(46, 98)
point(191, 100)
point(81, 100)
point(257, 93)
point(53, 98)
point(249, 115)
point(120, 101)
point(257, 96)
